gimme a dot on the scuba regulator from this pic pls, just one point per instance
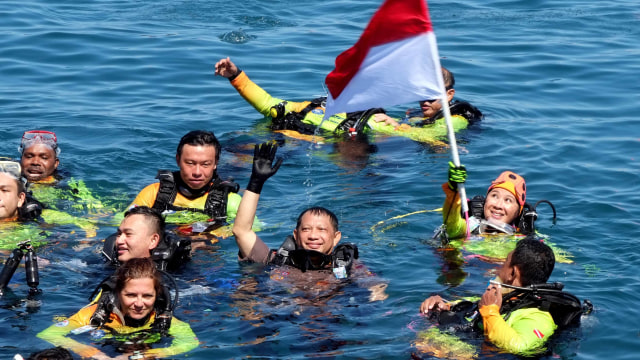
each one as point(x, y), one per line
point(529, 215)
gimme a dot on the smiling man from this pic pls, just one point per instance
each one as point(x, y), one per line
point(138, 234)
point(314, 244)
point(142, 234)
point(195, 192)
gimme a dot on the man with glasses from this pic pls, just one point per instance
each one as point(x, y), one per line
point(298, 119)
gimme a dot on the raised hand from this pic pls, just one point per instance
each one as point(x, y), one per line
point(263, 167)
point(457, 175)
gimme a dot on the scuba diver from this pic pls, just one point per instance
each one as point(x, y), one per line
point(142, 234)
point(314, 239)
point(425, 125)
point(39, 158)
point(195, 193)
point(499, 218)
point(313, 248)
point(139, 310)
point(519, 311)
point(18, 209)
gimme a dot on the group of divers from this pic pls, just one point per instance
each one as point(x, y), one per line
point(517, 312)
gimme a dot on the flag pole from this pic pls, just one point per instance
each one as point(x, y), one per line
point(454, 152)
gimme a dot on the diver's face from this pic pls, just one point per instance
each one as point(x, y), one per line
point(10, 199)
point(501, 205)
point(38, 162)
point(135, 238)
point(430, 107)
point(316, 233)
point(197, 165)
point(137, 298)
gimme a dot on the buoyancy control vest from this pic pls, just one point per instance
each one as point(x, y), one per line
point(164, 305)
point(525, 223)
point(339, 261)
point(215, 204)
point(171, 253)
point(354, 123)
point(565, 308)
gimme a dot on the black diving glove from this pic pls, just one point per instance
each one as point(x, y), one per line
point(457, 175)
point(263, 167)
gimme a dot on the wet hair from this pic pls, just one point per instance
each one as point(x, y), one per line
point(56, 353)
point(138, 268)
point(319, 210)
point(449, 80)
point(199, 138)
point(534, 259)
point(155, 219)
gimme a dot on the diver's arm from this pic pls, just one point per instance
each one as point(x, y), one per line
point(529, 330)
point(61, 218)
point(456, 225)
point(246, 238)
point(56, 334)
point(184, 340)
point(434, 134)
point(233, 203)
point(259, 98)
point(263, 168)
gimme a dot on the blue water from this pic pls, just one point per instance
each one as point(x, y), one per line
point(121, 81)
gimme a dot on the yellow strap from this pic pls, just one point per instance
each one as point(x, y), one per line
point(405, 215)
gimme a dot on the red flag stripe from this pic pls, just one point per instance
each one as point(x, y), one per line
point(395, 20)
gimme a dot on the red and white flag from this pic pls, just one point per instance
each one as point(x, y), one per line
point(395, 61)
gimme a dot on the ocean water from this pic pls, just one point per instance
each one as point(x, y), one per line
point(121, 81)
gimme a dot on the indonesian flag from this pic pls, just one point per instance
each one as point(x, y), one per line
point(395, 61)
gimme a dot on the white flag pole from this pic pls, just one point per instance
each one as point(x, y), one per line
point(450, 132)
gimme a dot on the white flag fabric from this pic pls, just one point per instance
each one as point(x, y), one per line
point(395, 61)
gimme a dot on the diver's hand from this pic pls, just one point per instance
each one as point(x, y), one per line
point(491, 296)
point(457, 175)
point(380, 117)
point(226, 68)
point(263, 167)
point(433, 303)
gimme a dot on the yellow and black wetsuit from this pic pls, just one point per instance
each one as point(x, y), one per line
point(57, 334)
point(433, 133)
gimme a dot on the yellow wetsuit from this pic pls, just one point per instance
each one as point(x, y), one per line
point(525, 331)
point(434, 133)
point(183, 337)
point(147, 197)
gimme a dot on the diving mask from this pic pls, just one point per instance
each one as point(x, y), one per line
point(32, 137)
point(11, 168)
point(489, 226)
